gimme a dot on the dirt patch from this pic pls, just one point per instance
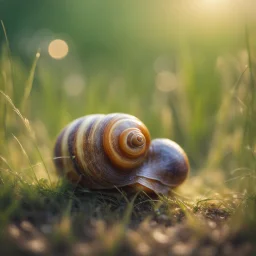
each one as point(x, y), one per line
point(103, 224)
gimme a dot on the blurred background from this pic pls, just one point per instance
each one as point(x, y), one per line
point(173, 64)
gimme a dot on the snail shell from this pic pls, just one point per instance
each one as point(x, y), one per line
point(114, 150)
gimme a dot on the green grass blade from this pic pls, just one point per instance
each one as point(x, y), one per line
point(9, 89)
point(4, 115)
point(250, 125)
point(29, 82)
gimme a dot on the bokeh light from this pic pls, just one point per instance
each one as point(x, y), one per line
point(74, 85)
point(166, 81)
point(58, 49)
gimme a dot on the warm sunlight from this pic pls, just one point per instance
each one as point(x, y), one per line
point(218, 6)
point(128, 127)
point(215, 3)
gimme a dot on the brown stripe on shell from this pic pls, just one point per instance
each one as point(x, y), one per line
point(111, 141)
point(77, 175)
point(93, 165)
point(58, 160)
point(90, 178)
point(73, 150)
point(98, 162)
point(110, 175)
point(100, 172)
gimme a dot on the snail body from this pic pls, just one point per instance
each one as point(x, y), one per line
point(115, 150)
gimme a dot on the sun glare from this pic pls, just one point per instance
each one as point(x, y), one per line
point(214, 4)
point(58, 49)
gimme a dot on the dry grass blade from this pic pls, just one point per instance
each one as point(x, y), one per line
point(215, 155)
point(29, 129)
point(26, 155)
point(11, 171)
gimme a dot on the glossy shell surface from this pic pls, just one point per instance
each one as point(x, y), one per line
point(106, 151)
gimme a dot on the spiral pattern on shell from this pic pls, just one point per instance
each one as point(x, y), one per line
point(94, 142)
point(114, 150)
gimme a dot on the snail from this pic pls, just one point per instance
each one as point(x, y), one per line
point(106, 151)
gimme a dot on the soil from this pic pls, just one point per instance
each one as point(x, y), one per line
point(107, 224)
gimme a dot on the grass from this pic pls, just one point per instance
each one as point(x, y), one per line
point(211, 116)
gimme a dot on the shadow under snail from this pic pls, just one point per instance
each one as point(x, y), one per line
point(115, 150)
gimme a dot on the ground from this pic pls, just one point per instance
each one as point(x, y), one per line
point(68, 221)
